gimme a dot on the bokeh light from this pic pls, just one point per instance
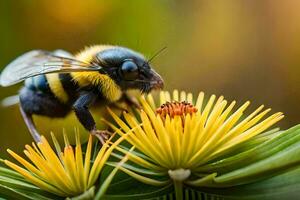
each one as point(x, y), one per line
point(240, 49)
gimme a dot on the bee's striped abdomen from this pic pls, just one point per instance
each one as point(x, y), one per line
point(59, 85)
point(57, 88)
point(64, 88)
point(70, 87)
point(38, 83)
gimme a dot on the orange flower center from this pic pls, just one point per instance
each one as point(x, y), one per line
point(176, 108)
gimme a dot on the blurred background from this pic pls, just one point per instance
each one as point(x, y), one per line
point(244, 50)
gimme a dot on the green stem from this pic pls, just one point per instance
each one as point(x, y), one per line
point(178, 186)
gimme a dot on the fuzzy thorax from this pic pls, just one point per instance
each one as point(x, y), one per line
point(109, 89)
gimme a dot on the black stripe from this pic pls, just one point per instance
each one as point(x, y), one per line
point(70, 86)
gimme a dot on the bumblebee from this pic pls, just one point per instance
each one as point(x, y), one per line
point(58, 82)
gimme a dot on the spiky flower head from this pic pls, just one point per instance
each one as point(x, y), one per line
point(66, 172)
point(178, 138)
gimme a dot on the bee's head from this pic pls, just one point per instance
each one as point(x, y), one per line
point(129, 69)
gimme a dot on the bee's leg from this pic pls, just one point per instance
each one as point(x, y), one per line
point(30, 125)
point(81, 109)
point(34, 102)
point(102, 135)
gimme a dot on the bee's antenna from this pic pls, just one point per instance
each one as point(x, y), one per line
point(156, 54)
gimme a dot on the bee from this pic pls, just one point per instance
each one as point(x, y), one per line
point(56, 83)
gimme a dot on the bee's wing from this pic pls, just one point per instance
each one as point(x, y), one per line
point(39, 62)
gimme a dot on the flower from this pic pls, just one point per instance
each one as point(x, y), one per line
point(178, 138)
point(64, 173)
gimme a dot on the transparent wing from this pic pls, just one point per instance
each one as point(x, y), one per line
point(39, 62)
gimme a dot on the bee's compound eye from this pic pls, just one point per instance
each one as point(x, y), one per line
point(129, 70)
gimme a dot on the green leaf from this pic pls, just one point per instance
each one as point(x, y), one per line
point(283, 186)
point(14, 186)
point(131, 189)
point(260, 152)
point(125, 187)
point(104, 186)
point(87, 195)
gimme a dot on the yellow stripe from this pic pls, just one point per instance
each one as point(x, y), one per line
point(56, 87)
point(109, 89)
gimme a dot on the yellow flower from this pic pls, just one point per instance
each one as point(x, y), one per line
point(181, 135)
point(65, 173)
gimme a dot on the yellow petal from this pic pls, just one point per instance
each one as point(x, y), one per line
point(35, 180)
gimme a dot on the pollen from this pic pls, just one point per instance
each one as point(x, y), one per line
point(176, 108)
